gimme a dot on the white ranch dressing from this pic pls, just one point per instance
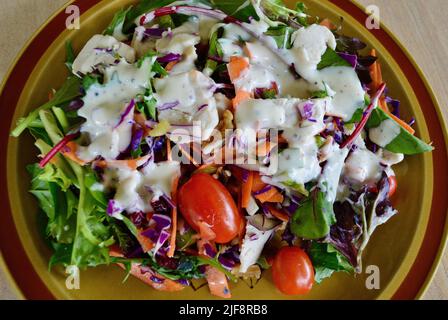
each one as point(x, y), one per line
point(105, 103)
point(193, 92)
point(385, 133)
point(299, 165)
point(309, 44)
point(299, 162)
point(101, 50)
point(136, 189)
point(288, 86)
point(331, 174)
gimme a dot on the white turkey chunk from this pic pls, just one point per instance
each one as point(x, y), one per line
point(104, 50)
point(363, 167)
point(192, 96)
point(253, 244)
point(180, 38)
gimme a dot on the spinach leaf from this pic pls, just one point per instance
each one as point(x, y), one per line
point(326, 260)
point(331, 59)
point(69, 91)
point(405, 142)
point(239, 9)
point(69, 55)
point(313, 218)
point(282, 36)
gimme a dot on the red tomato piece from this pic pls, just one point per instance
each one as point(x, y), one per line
point(209, 208)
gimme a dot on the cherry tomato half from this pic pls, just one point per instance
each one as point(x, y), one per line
point(292, 271)
point(393, 185)
point(209, 208)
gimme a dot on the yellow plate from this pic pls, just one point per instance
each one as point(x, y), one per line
point(406, 250)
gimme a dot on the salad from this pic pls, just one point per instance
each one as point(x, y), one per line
point(215, 141)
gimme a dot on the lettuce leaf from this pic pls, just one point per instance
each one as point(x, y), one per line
point(326, 260)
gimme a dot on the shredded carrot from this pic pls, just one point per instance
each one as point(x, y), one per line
point(168, 150)
point(405, 126)
point(257, 184)
point(70, 153)
point(145, 242)
point(167, 285)
point(246, 190)
point(217, 283)
point(170, 253)
point(375, 73)
point(170, 65)
point(265, 148)
point(237, 66)
point(132, 164)
point(240, 97)
point(327, 23)
point(277, 213)
point(272, 195)
point(216, 279)
point(377, 80)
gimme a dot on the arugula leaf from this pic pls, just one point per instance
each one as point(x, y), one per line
point(69, 55)
point(331, 59)
point(278, 11)
point(319, 94)
point(405, 142)
point(115, 28)
point(91, 79)
point(148, 105)
point(183, 241)
point(93, 235)
point(58, 203)
point(61, 255)
point(69, 91)
point(313, 218)
point(326, 260)
point(215, 50)
point(120, 232)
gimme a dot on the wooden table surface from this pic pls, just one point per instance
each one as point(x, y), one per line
point(419, 24)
